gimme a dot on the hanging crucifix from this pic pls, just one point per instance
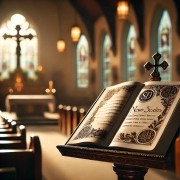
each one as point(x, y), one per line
point(18, 40)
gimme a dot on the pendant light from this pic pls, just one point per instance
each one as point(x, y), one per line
point(60, 43)
point(122, 9)
point(75, 31)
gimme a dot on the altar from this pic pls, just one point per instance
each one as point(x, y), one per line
point(30, 104)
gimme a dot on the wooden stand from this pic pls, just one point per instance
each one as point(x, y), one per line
point(129, 173)
point(127, 165)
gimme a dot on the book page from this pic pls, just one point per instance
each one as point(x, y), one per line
point(148, 117)
point(98, 124)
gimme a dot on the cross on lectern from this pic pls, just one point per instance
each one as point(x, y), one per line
point(155, 75)
point(18, 40)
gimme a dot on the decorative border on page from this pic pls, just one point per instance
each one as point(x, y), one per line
point(146, 136)
point(87, 130)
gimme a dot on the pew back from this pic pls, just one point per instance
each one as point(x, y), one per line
point(27, 162)
point(69, 118)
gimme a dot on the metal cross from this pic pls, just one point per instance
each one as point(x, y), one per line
point(18, 40)
point(155, 75)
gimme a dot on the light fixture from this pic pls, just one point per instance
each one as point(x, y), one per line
point(122, 9)
point(75, 31)
point(61, 45)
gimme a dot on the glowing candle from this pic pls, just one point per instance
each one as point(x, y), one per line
point(50, 85)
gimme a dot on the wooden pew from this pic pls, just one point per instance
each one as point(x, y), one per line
point(14, 141)
point(63, 120)
point(20, 135)
point(75, 120)
point(8, 173)
point(1, 122)
point(82, 113)
point(27, 162)
point(11, 130)
point(5, 123)
point(12, 144)
point(61, 115)
point(68, 120)
point(2, 126)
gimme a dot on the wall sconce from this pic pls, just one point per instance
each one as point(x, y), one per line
point(61, 45)
point(122, 9)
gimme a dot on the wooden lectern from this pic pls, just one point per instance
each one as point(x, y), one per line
point(128, 165)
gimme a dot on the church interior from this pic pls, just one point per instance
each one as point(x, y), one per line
point(63, 53)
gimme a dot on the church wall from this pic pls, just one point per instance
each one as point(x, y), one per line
point(74, 95)
point(101, 28)
point(61, 67)
point(121, 42)
point(40, 14)
point(150, 7)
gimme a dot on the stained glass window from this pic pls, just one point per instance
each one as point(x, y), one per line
point(131, 54)
point(164, 44)
point(82, 62)
point(106, 61)
point(29, 53)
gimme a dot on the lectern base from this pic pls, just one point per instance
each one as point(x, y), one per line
point(125, 172)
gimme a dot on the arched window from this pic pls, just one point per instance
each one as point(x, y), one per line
point(82, 62)
point(14, 31)
point(131, 55)
point(164, 44)
point(106, 61)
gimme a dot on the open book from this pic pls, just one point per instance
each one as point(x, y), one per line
point(132, 115)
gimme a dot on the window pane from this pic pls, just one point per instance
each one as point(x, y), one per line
point(131, 55)
point(106, 62)
point(164, 44)
point(82, 62)
point(8, 57)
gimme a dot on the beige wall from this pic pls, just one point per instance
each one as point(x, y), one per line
point(60, 67)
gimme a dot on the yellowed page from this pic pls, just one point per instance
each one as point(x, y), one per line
point(108, 111)
point(148, 117)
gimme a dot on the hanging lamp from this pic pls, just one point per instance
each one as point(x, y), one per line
point(122, 9)
point(75, 31)
point(60, 43)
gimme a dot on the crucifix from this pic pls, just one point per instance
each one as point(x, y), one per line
point(18, 40)
point(155, 75)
